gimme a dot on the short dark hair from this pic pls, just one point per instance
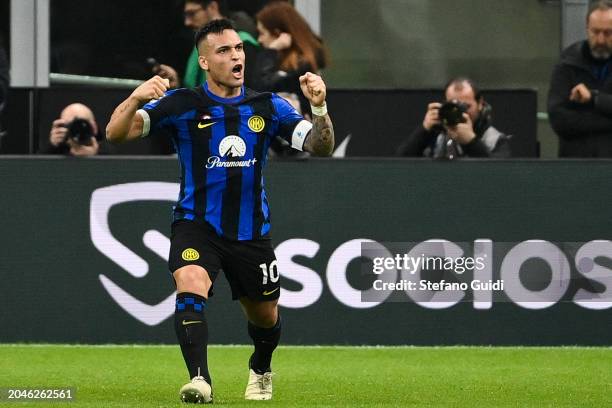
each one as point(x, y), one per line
point(598, 5)
point(459, 81)
point(213, 27)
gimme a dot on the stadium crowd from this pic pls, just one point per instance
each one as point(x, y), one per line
point(280, 46)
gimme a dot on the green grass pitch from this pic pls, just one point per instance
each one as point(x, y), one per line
point(150, 376)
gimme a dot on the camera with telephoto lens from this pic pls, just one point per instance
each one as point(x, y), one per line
point(80, 131)
point(451, 113)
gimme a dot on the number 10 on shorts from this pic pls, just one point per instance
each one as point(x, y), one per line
point(271, 272)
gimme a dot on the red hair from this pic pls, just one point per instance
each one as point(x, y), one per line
point(306, 47)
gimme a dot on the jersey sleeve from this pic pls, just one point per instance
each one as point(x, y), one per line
point(158, 113)
point(292, 126)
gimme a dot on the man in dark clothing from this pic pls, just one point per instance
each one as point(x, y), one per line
point(473, 137)
point(4, 85)
point(64, 140)
point(580, 96)
point(197, 13)
point(4, 76)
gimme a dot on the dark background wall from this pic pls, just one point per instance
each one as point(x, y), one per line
point(377, 120)
point(51, 272)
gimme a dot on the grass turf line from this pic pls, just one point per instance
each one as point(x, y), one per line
point(322, 376)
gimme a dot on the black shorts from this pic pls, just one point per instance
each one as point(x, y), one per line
point(250, 267)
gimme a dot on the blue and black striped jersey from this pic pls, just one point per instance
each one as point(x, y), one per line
point(222, 148)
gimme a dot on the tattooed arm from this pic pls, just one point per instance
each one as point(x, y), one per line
point(124, 124)
point(320, 140)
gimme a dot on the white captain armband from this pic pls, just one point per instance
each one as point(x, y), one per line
point(146, 125)
point(299, 134)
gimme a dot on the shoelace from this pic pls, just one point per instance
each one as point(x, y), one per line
point(200, 378)
point(266, 380)
point(262, 381)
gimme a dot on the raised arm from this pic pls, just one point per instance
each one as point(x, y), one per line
point(320, 140)
point(125, 124)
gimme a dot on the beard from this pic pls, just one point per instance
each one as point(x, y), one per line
point(601, 53)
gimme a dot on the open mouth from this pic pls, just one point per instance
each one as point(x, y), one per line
point(237, 70)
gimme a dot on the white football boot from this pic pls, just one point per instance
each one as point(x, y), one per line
point(197, 391)
point(259, 386)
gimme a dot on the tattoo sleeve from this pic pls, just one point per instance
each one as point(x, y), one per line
point(124, 124)
point(320, 140)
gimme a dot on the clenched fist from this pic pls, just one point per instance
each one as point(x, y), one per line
point(154, 88)
point(313, 88)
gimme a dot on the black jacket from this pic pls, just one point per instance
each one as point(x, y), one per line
point(584, 130)
point(269, 77)
point(4, 85)
point(422, 143)
point(4, 76)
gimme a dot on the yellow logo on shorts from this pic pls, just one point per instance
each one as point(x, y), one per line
point(190, 254)
point(256, 123)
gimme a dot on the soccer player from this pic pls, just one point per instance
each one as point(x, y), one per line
point(221, 132)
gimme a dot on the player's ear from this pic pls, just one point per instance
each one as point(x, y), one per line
point(203, 62)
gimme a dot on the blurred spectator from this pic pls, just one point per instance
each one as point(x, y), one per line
point(4, 84)
point(580, 96)
point(291, 49)
point(197, 13)
point(75, 133)
point(461, 127)
point(4, 75)
point(250, 7)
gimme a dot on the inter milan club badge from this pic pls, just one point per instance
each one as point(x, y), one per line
point(256, 123)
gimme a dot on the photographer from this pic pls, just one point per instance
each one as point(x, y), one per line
point(74, 133)
point(461, 127)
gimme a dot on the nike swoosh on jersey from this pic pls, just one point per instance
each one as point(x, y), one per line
point(205, 125)
point(266, 293)
point(188, 322)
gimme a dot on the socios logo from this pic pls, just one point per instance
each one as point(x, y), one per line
point(256, 123)
point(232, 146)
point(102, 201)
point(190, 254)
point(335, 269)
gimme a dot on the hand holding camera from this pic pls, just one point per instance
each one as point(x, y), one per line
point(78, 134)
point(463, 132)
point(453, 118)
point(58, 132)
point(79, 131)
point(432, 117)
